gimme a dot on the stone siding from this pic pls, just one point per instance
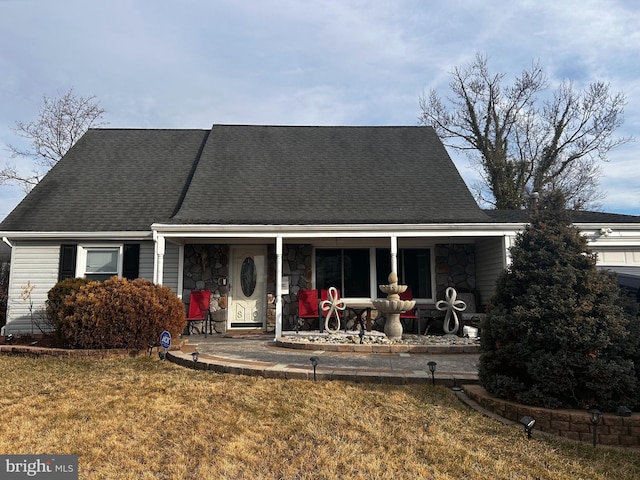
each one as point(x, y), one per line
point(296, 265)
point(205, 265)
point(455, 267)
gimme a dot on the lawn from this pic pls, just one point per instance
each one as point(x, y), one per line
point(143, 418)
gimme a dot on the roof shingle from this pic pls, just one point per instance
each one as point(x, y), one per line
point(127, 179)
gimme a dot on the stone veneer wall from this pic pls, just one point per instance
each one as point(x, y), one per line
point(296, 265)
point(455, 267)
point(571, 424)
point(205, 264)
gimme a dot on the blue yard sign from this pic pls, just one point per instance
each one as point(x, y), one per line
point(165, 340)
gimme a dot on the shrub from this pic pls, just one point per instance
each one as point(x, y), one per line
point(119, 313)
point(55, 300)
point(556, 334)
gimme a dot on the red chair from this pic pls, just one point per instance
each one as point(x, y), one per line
point(413, 315)
point(199, 301)
point(307, 306)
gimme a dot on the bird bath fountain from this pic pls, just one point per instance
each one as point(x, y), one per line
point(392, 307)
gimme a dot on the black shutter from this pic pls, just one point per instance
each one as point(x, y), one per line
point(131, 262)
point(67, 267)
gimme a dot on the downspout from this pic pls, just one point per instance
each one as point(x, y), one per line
point(6, 240)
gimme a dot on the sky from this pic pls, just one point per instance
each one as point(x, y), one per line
point(195, 63)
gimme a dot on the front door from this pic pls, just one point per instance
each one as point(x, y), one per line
point(248, 287)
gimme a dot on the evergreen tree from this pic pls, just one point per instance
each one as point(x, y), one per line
point(557, 334)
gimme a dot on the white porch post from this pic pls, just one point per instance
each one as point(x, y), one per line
point(158, 262)
point(394, 254)
point(278, 287)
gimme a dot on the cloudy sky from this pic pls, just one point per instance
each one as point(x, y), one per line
point(193, 63)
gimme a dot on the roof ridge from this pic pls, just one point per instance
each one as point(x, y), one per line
point(316, 126)
point(136, 129)
point(194, 166)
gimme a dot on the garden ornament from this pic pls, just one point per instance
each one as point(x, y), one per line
point(333, 305)
point(450, 305)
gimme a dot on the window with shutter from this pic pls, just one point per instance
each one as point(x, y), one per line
point(67, 267)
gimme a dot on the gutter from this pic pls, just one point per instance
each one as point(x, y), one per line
point(141, 235)
point(338, 230)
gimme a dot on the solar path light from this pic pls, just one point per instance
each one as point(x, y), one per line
point(314, 362)
point(195, 355)
point(432, 368)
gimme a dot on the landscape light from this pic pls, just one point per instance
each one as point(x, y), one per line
point(623, 411)
point(152, 345)
point(528, 423)
point(314, 362)
point(432, 369)
point(195, 356)
point(594, 414)
point(10, 338)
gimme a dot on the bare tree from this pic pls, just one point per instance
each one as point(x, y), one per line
point(61, 122)
point(521, 143)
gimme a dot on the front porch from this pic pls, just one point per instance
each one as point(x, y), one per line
point(258, 277)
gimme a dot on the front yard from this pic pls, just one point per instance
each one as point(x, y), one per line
point(142, 418)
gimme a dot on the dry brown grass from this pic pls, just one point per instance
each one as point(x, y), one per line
point(142, 418)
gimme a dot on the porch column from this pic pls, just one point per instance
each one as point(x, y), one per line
point(394, 254)
point(158, 260)
point(278, 287)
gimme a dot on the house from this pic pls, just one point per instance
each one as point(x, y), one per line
point(259, 212)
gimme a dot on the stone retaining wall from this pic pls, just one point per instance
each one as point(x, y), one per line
point(44, 352)
point(571, 424)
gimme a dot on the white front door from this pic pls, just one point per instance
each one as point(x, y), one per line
point(248, 287)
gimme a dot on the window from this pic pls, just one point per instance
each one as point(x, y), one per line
point(99, 262)
point(345, 269)
point(102, 263)
point(350, 270)
point(414, 269)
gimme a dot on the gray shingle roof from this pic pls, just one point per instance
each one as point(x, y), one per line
point(125, 180)
point(111, 180)
point(326, 175)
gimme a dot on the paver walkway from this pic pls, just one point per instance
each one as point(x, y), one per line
point(259, 355)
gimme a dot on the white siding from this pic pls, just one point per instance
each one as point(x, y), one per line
point(35, 264)
point(490, 262)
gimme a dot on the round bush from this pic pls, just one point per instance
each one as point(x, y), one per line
point(55, 300)
point(119, 313)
